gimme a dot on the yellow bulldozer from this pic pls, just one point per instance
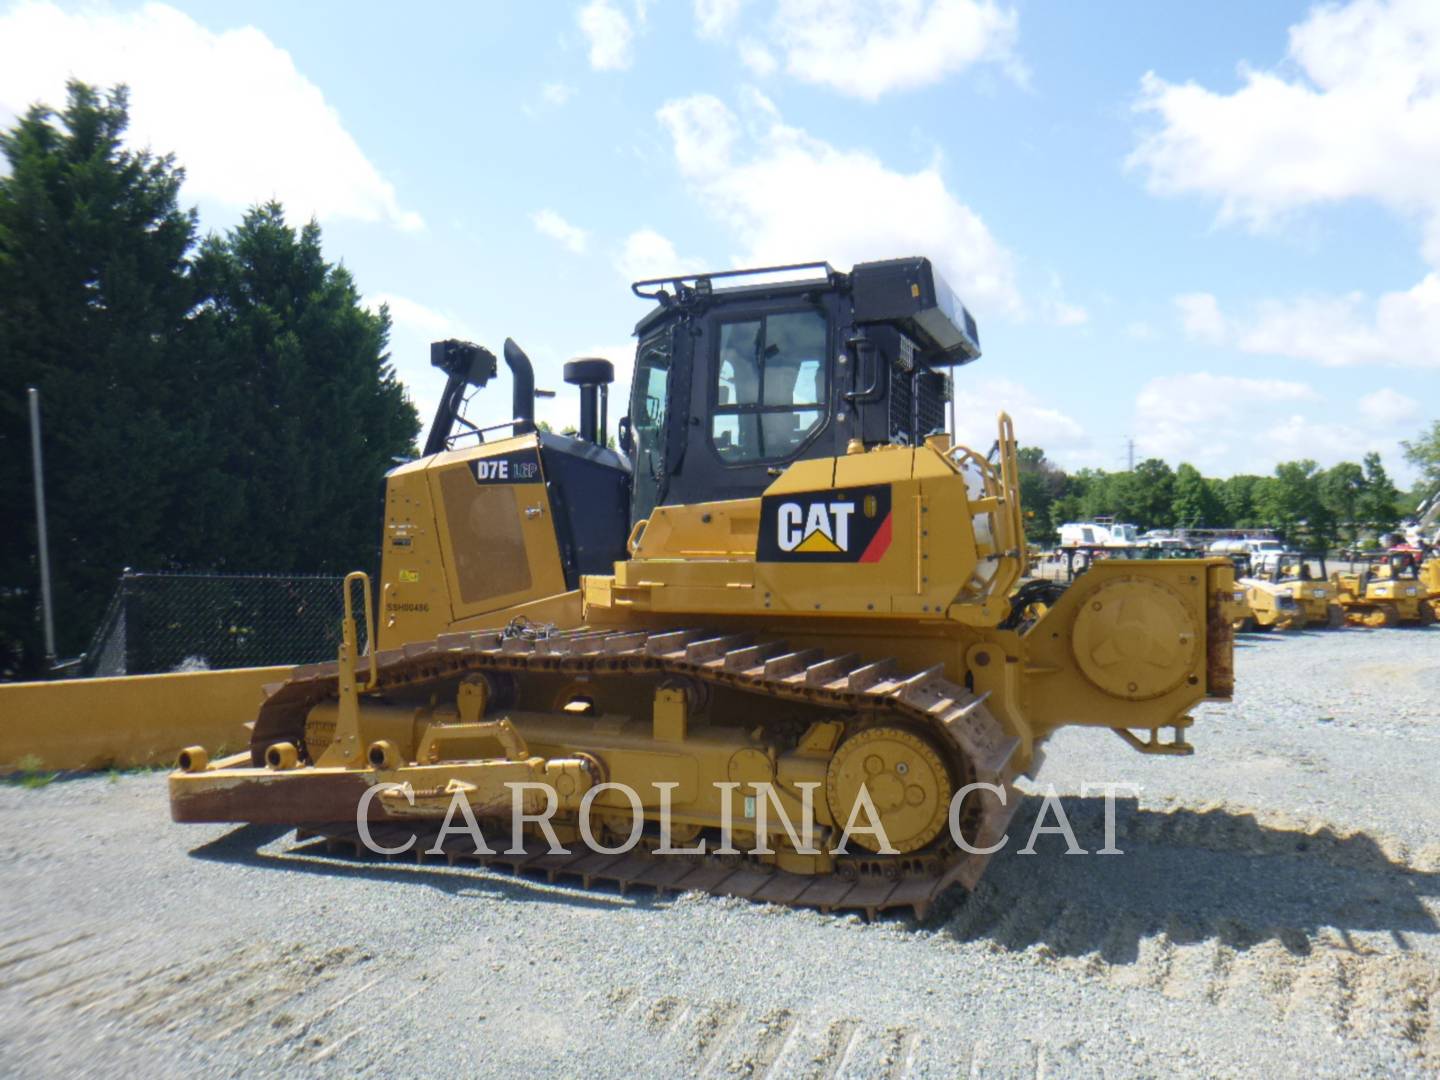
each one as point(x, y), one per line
point(778, 648)
point(1281, 593)
point(1377, 596)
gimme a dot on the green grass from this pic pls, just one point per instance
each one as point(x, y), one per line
point(29, 774)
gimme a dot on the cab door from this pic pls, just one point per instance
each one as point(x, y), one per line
point(651, 388)
point(763, 396)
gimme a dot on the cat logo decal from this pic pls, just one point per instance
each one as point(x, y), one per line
point(852, 525)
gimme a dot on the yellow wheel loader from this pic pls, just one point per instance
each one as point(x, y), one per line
point(775, 651)
point(1376, 597)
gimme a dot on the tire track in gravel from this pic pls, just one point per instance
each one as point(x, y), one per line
point(711, 1039)
point(1228, 908)
point(278, 999)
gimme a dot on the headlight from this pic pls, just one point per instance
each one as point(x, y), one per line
point(1284, 593)
point(1381, 590)
point(1239, 598)
point(1319, 594)
point(1410, 590)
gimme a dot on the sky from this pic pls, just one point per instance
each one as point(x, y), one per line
point(1212, 229)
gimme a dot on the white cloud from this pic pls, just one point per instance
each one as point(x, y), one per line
point(648, 254)
point(1060, 310)
point(556, 94)
point(549, 223)
point(1386, 406)
point(1297, 436)
point(1400, 328)
point(608, 34)
point(1231, 423)
point(978, 400)
point(246, 125)
point(868, 48)
point(703, 133)
point(413, 327)
point(758, 60)
point(714, 18)
point(1360, 118)
point(1201, 319)
point(414, 316)
point(786, 195)
point(1139, 331)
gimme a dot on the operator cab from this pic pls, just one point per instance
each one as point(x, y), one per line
point(733, 383)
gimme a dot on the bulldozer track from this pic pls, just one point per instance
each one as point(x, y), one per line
point(845, 683)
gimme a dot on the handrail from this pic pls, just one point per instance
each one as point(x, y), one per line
point(348, 626)
point(676, 279)
point(632, 543)
point(1010, 479)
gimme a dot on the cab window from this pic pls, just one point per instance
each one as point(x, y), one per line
point(648, 398)
point(770, 387)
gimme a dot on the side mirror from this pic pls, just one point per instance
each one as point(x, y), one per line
point(624, 436)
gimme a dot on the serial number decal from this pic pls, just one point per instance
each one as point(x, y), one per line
point(850, 525)
point(519, 467)
point(391, 605)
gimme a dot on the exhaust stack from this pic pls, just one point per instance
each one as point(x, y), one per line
point(593, 376)
point(524, 375)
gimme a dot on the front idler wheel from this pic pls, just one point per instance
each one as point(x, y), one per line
point(905, 780)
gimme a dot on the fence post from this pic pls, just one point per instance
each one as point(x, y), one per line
point(40, 531)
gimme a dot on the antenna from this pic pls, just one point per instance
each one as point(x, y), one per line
point(1130, 452)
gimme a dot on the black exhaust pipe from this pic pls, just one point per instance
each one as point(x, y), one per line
point(524, 375)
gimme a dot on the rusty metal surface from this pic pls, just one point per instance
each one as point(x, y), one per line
point(1219, 647)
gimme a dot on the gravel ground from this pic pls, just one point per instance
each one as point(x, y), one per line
point(1274, 913)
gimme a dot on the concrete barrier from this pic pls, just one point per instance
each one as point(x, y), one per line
point(131, 720)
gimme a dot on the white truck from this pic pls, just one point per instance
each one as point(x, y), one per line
point(1100, 533)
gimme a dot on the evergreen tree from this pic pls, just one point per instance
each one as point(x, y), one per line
point(93, 291)
point(307, 414)
point(235, 409)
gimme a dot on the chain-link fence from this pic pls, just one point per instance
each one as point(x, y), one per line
point(178, 622)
